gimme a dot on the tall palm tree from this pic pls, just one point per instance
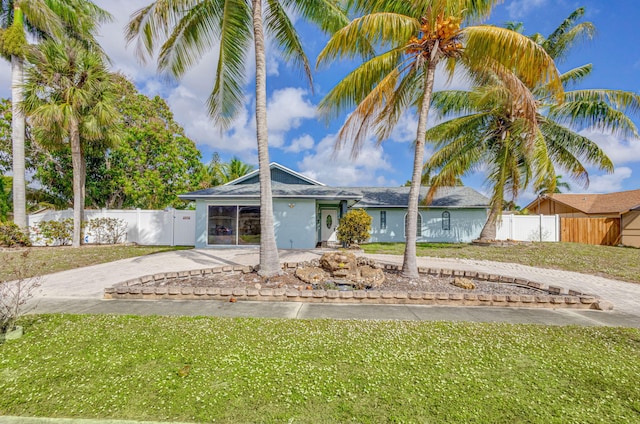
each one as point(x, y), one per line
point(414, 37)
point(70, 97)
point(189, 28)
point(558, 185)
point(492, 128)
point(39, 19)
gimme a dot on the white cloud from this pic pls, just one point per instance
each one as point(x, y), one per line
point(619, 150)
point(608, 183)
point(340, 169)
point(300, 144)
point(286, 109)
point(519, 8)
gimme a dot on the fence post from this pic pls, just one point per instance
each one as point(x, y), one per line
point(138, 225)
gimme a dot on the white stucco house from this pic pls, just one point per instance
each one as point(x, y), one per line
point(307, 212)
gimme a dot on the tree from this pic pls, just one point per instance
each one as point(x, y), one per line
point(70, 98)
point(414, 38)
point(191, 27)
point(557, 183)
point(219, 172)
point(518, 135)
point(151, 165)
point(40, 19)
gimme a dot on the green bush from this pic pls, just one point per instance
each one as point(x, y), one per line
point(354, 227)
point(56, 233)
point(12, 236)
point(108, 230)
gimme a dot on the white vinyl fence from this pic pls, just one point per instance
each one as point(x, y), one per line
point(168, 227)
point(529, 228)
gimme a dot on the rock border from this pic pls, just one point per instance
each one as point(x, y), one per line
point(550, 296)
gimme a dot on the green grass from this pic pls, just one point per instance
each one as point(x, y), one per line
point(46, 260)
point(620, 263)
point(318, 371)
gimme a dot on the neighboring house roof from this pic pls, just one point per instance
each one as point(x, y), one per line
point(279, 173)
point(618, 202)
point(365, 197)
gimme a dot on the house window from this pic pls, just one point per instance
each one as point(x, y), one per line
point(233, 225)
point(383, 220)
point(419, 229)
point(446, 221)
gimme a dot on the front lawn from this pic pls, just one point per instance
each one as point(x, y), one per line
point(46, 260)
point(318, 371)
point(621, 263)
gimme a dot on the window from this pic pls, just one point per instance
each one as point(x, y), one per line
point(233, 225)
point(419, 229)
point(383, 220)
point(446, 221)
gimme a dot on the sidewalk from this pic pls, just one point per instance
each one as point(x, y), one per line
point(80, 291)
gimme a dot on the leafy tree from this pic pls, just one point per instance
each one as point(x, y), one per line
point(70, 98)
point(151, 165)
point(401, 44)
point(189, 28)
point(5, 135)
point(39, 19)
point(517, 134)
point(5, 197)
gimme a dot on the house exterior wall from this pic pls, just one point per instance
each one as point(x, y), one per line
point(295, 226)
point(464, 225)
point(630, 228)
point(551, 207)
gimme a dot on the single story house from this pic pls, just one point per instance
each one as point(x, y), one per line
point(620, 210)
point(307, 212)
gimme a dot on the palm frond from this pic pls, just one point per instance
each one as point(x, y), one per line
point(356, 39)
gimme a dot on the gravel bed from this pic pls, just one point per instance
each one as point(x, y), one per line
point(393, 282)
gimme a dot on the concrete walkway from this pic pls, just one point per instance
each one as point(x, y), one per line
point(80, 291)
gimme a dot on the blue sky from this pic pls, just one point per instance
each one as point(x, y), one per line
point(303, 142)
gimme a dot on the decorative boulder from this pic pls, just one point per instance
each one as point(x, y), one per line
point(463, 283)
point(370, 276)
point(312, 275)
point(340, 264)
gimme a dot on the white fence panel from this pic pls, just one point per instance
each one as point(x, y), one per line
point(529, 228)
point(168, 227)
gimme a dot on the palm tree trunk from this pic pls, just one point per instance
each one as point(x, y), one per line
point(410, 264)
point(18, 137)
point(269, 260)
point(78, 183)
point(489, 230)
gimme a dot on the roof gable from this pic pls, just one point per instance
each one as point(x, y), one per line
point(279, 174)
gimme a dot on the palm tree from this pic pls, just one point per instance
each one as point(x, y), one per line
point(414, 37)
point(189, 28)
point(219, 172)
point(558, 185)
point(518, 136)
point(40, 19)
point(70, 97)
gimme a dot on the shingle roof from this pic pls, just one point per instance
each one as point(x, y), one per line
point(450, 197)
point(277, 189)
point(619, 202)
point(366, 197)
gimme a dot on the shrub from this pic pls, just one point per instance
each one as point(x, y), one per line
point(12, 236)
point(16, 291)
point(108, 230)
point(57, 233)
point(354, 227)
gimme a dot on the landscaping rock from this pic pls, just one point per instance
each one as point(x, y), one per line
point(370, 276)
point(311, 275)
point(463, 283)
point(344, 263)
